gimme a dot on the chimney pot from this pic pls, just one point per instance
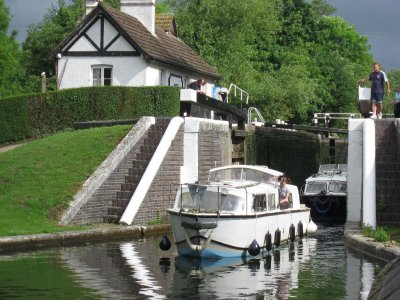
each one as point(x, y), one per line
point(90, 5)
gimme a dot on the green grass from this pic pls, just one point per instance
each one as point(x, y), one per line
point(39, 179)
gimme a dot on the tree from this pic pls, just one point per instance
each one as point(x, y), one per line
point(295, 62)
point(321, 8)
point(57, 23)
point(10, 54)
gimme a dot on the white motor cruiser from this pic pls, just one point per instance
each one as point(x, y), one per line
point(236, 213)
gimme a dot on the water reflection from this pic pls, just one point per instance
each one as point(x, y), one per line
point(140, 273)
point(318, 267)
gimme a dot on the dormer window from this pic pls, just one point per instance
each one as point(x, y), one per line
point(102, 75)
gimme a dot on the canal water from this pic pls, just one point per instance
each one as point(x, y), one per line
point(317, 267)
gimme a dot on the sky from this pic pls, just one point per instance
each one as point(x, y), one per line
point(377, 19)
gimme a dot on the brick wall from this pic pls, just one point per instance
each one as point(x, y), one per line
point(387, 173)
point(212, 150)
point(162, 192)
point(95, 209)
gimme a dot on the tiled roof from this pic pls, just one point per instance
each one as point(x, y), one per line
point(164, 47)
point(166, 22)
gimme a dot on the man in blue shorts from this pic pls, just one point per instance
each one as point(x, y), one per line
point(378, 79)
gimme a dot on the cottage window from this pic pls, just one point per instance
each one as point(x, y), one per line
point(102, 75)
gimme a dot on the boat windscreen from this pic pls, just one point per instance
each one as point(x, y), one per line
point(315, 187)
point(242, 174)
point(209, 201)
point(337, 187)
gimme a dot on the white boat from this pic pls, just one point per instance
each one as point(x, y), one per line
point(326, 193)
point(236, 214)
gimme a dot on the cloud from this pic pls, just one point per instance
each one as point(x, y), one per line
point(377, 20)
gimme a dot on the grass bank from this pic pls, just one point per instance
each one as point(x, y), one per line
point(40, 178)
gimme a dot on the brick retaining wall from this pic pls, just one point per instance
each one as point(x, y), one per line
point(162, 192)
point(387, 174)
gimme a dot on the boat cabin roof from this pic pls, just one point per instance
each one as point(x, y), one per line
point(264, 169)
point(240, 173)
point(332, 167)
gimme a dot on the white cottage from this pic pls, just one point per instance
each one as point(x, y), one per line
point(125, 48)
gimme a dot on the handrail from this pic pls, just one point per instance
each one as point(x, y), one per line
point(235, 87)
point(254, 109)
point(334, 116)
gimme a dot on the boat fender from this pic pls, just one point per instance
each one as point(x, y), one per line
point(268, 262)
point(292, 233)
point(300, 231)
point(165, 243)
point(268, 241)
point(254, 248)
point(312, 227)
point(277, 239)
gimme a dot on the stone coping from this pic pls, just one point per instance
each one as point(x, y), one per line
point(353, 238)
point(382, 251)
point(70, 238)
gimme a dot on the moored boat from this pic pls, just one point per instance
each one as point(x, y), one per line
point(236, 214)
point(326, 193)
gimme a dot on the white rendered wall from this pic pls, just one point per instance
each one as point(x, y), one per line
point(76, 72)
point(190, 168)
point(361, 173)
point(369, 174)
point(354, 170)
point(153, 76)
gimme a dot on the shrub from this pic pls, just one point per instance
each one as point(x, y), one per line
point(37, 114)
point(379, 234)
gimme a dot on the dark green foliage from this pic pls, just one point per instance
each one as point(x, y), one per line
point(39, 114)
point(14, 119)
point(10, 55)
point(291, 57)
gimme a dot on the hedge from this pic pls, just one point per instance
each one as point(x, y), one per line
point(33, 115)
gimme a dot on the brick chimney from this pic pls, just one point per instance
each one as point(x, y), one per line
point(143, 10)
point(90, 5)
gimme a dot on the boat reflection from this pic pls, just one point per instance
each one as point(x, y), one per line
point(273, 275)
point(314, 266)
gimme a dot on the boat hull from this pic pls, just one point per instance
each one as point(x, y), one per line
point(327, 208)
point(209, 235)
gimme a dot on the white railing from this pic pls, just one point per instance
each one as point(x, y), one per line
point(237, 90)
point(334, 116)
point(255, 110)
